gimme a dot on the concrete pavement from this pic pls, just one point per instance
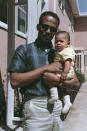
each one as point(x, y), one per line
point(77, 117)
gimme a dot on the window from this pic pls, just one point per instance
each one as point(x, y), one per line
point(62, 5)
point(22, 17)
point(3, 11)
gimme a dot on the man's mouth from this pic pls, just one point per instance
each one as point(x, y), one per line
point(47, 38)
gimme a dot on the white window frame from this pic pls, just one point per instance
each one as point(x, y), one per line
point(25, 13)
point(18, 32)
point(3, 25)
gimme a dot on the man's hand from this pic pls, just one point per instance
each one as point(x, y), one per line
point(51, 79)
point(54, 67)
point(63, 76)
point(70, 84)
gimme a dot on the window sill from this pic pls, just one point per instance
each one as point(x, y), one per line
point(21, 34)
point(3, 25)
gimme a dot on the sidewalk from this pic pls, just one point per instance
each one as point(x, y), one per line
point(77, 117)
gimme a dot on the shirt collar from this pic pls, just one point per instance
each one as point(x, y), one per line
point(37, 43)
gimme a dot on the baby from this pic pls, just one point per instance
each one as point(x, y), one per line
point(65, 55)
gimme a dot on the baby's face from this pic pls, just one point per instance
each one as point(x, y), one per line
point(61, 42)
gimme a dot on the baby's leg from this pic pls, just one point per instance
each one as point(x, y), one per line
point(67, 104)
point(66, 98)
point(54, 95)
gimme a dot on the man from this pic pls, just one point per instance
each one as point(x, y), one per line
point(29, 69)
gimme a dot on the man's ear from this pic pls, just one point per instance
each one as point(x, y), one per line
point(38, 27)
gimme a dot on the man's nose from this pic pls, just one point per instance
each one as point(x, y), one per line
point(48, 30)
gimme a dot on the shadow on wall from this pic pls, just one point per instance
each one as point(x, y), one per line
point(2, 103)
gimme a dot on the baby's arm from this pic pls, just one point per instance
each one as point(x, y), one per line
point(67, 65)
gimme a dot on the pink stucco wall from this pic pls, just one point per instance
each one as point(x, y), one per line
point(19, 41)
point(81, 32)
point(3, 55)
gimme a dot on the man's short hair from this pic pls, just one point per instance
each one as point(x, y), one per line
point(49, 13)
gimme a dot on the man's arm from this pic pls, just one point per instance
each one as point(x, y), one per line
point(52, 79)
point(21, 79)
point(70, 84)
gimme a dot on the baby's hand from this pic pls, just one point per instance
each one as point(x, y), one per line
point(63, 76)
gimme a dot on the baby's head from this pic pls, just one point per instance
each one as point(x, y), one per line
point(62, 40)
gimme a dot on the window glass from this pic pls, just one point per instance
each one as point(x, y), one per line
point(3, 11)
point(22, 17)
point(22, 0)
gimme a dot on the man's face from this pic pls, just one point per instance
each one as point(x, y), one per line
point(47, 28)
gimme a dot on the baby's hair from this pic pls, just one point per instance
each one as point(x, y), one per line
point(64, 32)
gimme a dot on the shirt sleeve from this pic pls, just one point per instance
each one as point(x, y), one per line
point(18, 62)
point(69, 54)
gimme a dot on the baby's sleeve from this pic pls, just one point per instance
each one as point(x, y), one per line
point(69, 54)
